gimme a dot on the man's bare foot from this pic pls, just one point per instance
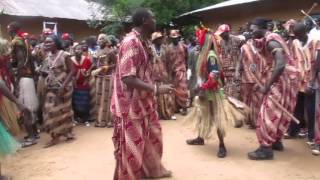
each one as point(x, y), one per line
point(53, 142)
point(166, 174)
point(70, 137)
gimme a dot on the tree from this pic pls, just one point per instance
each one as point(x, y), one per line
point(164, 10)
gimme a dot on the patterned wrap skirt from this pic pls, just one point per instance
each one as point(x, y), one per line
point(104, 88)
point(57, 112)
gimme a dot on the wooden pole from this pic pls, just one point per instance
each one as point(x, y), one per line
point(276, 102)
point(307, 14)
point(314, 5)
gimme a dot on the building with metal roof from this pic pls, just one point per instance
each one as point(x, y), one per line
point(239, 12)
point(67, 15)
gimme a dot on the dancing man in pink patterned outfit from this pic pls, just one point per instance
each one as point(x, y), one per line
point(137, 132)
point(280, 83)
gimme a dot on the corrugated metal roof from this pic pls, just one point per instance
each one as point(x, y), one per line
point(219, 5)
point(67, 9)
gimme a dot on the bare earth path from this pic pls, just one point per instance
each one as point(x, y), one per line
point(90, 157)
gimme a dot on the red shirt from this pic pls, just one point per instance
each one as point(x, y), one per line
point(82, 71)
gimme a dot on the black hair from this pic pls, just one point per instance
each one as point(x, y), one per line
point(260, 22)
point(139, 16)
point(91, 41)
point(56, 41)
point(299, 27)
point(15, 26)
point(113, 40)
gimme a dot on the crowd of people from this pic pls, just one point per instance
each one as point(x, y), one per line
point(265, 76)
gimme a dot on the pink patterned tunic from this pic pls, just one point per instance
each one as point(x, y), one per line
point(137, 132)
point(177, 57)
point(272, 123)
point(316, 48)
point(251, 60)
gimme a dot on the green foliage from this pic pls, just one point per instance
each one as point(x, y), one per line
point(113, 28)
point(164, 10)
point(122, 8)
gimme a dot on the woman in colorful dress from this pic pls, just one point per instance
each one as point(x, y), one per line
point(57, 111)
point(106, 59)
point(81, 94)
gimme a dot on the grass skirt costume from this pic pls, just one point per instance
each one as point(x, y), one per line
point(223, 110)
point(8, 145)
point(8, 116)
point(8, 113)
point(8, 110)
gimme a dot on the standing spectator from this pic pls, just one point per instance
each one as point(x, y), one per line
point(81, 94)
point(57, 112)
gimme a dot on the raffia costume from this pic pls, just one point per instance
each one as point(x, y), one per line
point(8, 110)
point(224, 110)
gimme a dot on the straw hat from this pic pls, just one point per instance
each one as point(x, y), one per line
point(156, 35)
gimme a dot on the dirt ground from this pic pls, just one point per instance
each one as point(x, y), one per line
point(90, 157)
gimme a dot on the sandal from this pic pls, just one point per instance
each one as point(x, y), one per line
point(196, 141)
point(28, 142)
point(100, 125)
point(37, 136)
point(87, 124)
point(222, 152)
